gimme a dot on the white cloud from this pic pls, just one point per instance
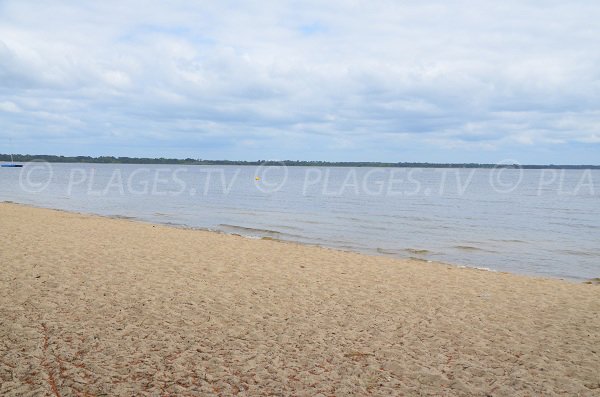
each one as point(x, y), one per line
point(7, 106)
point(453, 75)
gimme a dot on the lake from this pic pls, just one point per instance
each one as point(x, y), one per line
point(537, 222)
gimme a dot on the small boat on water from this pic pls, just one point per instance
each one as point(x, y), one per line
point(11, 164)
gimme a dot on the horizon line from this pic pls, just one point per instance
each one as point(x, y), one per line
point(319, 163)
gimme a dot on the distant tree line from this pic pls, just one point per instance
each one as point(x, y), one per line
point(24, 158)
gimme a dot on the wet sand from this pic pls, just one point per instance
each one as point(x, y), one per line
point(104, 307)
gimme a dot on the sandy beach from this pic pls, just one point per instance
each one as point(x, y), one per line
point(92, 306)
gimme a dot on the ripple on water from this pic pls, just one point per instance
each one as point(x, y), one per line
point(471, 248)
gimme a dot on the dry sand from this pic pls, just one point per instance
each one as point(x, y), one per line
point(93, 306)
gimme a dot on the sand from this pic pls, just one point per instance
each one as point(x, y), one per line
point(92, 306)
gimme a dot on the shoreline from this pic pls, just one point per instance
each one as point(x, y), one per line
point(59, 159)
point(506, 231)
point(371, 252)
point(97, 306)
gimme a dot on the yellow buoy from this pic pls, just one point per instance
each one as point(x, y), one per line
point(256, 178)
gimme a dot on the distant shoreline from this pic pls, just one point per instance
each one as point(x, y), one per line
point(24, 158)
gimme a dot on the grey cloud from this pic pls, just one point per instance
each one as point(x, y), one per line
point(445, 74)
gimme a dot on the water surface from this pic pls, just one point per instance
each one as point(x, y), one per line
point(539, 222)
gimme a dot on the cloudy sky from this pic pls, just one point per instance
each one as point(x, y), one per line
point(447, 81)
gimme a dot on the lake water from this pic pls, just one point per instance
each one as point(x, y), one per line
point(539, 222)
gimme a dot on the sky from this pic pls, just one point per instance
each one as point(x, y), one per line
point(338, 80)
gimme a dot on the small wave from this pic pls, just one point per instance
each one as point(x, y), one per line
point(409, 218)
point(346, 247)
point(258, 233)
point(416, 258)
point(574, 225)
point(387, 251)
point(241, 235)
point(311, 222)
point(122, 217)
point(579, 253)
point(483, 269)
point(268, 238)
point(511, 241)
point(334, 241)
point(288, 227)
point(249, 229)
point(416, 251)
point(468, 248)
point(180, 225)
point(349, 218)
point(247, 213)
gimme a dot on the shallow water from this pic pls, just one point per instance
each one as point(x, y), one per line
point(540, 222)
